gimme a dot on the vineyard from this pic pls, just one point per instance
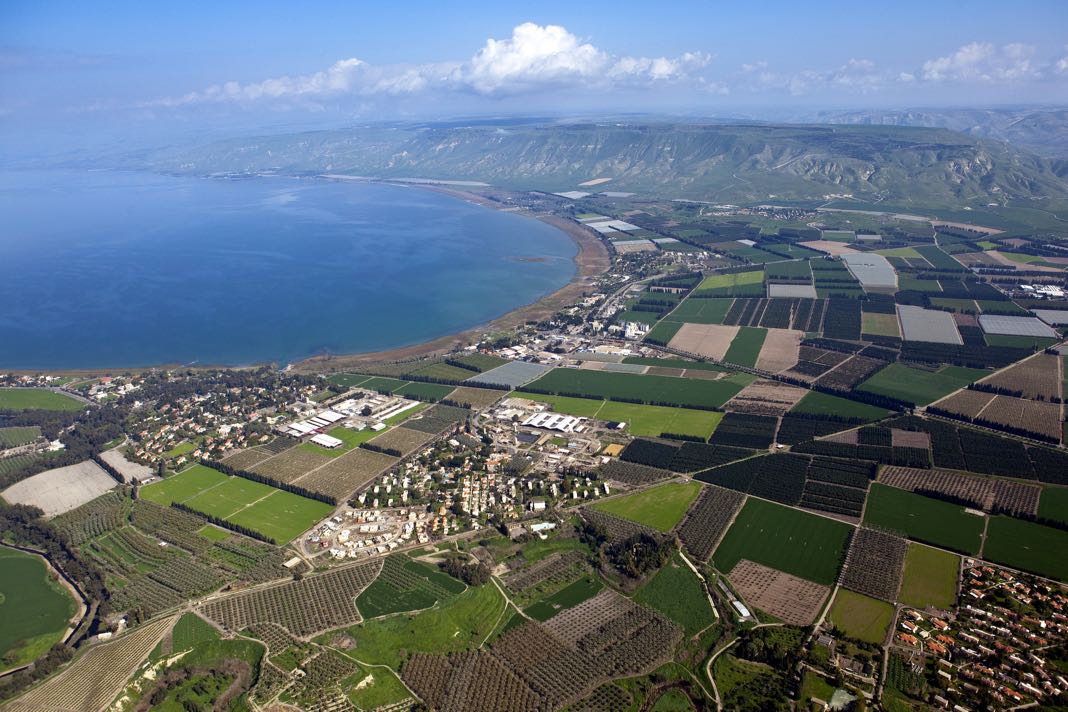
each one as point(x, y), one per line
point(470, 680)
point(820, 483)
point(291, 465)
point(708, 519)
point(767, 398)
point(437, 418)
point(850, 373)
point(93, 679)
point(552, 572)
point(991, 495)
point(303, 607)
point(403, 440)
point(344, 475)
point(874, 564)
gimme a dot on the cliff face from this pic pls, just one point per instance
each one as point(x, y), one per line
point(721, 162)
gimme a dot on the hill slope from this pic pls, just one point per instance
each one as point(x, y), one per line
point(734, 163)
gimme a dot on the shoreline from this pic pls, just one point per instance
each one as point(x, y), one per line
point(591, 260)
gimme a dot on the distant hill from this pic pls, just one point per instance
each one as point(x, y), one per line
point(733, 163)
point(1041, 131)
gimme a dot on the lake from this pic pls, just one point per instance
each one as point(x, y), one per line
point(109, 269)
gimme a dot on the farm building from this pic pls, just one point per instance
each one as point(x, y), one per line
point(327, 441)
point(919, 324)
point(873, 271)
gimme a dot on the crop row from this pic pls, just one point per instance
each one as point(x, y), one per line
point(874, 564)
point(997, 496)
point(708, 518)
point(744, 430)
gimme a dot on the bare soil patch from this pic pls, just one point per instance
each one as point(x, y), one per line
point(789, 598)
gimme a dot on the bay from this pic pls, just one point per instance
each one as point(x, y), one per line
point(115, 269)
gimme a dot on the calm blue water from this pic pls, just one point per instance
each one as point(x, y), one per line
point(127, 269)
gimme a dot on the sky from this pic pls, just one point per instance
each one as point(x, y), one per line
point(74, 67)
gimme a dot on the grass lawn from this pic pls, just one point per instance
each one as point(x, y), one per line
point(676, 592)
point(930, 578)
point(1028, 546)
point(814, 685)
point(179, 488)
point(640, 419)
point(1054, 504)
point(880, 324)
point(567, 597)
point(457, 624)
point(660, 507)
point(275, 513)
point(191, 630)
point(36, 399)
point(860, 616)
point(919, 386)
point(180, 449)
point(815, 403)
point(34, 609)
point(19, 435)
point(924, 519)
point(282, 516)
point(381, 690)
point(745, 347)
point(213, 533)
point(787, 539)
point(701, 311)
point(348, 380)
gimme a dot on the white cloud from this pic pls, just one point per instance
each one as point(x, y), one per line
point(534, 57)
point(983, 62)
point(1061, 65)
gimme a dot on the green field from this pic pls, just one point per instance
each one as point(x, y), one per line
point(1053, 504)
point(349, 437)
point(745, 347)
point(701, 311)
point(406, 585)
point(640, 419)
point(930, 578)
point(880, 324)
point(191, 630)
point(838, 235)
point(1028, 546)
point(34, 609)
point(682, 392)
point(918, 386)
point(738, 284)
point(13, 437)
point(272, 512)
point(36, 399)
point(383, 688)
point(661, 507)
point(213, 533)
point(567, 597)
point(676, 592)
point(816, 403)
point(1018, 342)
point(860, 616)
point(457, 624)
point(900, 252)
point(924, 519)
point(664, 332)
point(798, 543)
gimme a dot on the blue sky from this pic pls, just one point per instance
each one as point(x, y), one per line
point(235, 63)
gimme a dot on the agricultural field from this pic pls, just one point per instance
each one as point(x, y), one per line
point(569, 596)
point(36, 399)
point(707, 340)
point(1028, 546)
point(745, 348)
point(924, 519)
point(874, 564)
point(789, 540)
point(738, 284)
point(816, 403)
point(930, 578)
point(681, 392)
point(677, 593)
point(1036, 378)
point(1053, 504)
point(661, 507)
point(93, 679)
point(861, 617)
point(708, 518)
point(405, 585)
point(476, 397)
point(791, 599)
point(61, 489)
point(276, 514)
point(920, 386)
point(700, 311)
point(291, 464)
point(349, 439)
point(34, 608)
point(650, 420)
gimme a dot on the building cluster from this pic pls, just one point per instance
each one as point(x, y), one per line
point(992, 651)
point(360, 533)
point(360, 410)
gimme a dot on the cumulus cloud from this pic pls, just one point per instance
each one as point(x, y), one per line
point(1061, 65)
point(534, 57)
point(861, 75)
point(983, 62)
